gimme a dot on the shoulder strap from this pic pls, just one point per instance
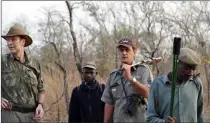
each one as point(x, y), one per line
point(78, 89)
point(78, 95)
point(197, 81)
point(123, 85)
point(102, 87)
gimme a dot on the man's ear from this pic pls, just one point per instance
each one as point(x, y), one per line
point(83, 69)
point(96, 73)
point(134, 51)
point(23, 40)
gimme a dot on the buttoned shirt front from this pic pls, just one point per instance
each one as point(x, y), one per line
point(21, 82)
point(188, 101)
point(114, 94)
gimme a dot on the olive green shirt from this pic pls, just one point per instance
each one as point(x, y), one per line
point(114, 94)
point(21, 82)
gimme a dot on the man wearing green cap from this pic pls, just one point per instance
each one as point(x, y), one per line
point(22, 89)
point(127, 88)
point(188, 99)
point(85, 104)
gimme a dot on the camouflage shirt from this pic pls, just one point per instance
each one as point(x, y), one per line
point(21, 82)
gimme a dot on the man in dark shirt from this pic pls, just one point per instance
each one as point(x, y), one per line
point(85, 104)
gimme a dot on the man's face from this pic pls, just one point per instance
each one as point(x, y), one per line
point(89, 75)
point(126, 54)
point(185, 71)
point(15, 43)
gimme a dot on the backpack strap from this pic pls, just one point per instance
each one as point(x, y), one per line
point(78, 94)
point(78, 89)
point(102, 87)
point(197, 81)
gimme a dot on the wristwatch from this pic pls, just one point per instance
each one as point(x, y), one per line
point(134, 80)
point(41, 104)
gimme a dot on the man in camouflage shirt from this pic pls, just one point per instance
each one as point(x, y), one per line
point(22, 91)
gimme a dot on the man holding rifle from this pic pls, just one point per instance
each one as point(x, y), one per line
point(127, 87)
point(188, 96)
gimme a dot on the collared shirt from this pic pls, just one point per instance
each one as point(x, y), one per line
point(188, 101)
point(21, 82)
point(114, 94)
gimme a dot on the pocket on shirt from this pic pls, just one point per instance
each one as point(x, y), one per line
point(116, 91)
point(30, 77)
point(9, 78)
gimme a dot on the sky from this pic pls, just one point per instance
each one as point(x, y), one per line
point(31, 12)
point(18, 10)
point(11, 10)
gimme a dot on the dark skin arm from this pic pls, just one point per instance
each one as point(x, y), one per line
point(170, 119)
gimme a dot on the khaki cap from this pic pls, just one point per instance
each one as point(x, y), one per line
point(89, 65)
point(17, 30)
point(189, 56)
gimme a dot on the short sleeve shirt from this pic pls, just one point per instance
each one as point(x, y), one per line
point(114, 94)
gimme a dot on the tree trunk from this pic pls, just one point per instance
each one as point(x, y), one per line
point(59, 64)
point(207, 71)
point(116, 58)
point(77, 55)
point(65, 84)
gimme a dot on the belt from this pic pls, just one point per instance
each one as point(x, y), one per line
point(23, 109)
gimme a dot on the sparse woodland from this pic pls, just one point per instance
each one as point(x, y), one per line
point(69, 41)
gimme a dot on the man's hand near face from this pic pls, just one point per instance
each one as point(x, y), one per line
point(127, 72)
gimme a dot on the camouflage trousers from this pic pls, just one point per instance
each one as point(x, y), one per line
point(17, 117)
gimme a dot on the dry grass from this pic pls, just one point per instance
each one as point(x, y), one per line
point(205, 93)
point(54, 84)
point(54, 88)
